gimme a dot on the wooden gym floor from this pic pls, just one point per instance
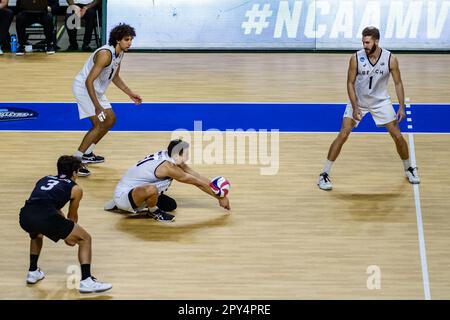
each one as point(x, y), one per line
point(285, 238)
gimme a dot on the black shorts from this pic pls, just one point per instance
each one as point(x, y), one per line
point(44, 219)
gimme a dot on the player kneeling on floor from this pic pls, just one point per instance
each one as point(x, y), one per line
point(144, 184)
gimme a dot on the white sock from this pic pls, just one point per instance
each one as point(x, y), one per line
point(406, 164)
point(327, 166)
point(90, 149)
point(153, 209)
point(78, 154)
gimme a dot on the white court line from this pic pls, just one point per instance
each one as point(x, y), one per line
point(191, 102)
point(223, 131)
point(218, 102)
point(422, 249)
point(423, 252)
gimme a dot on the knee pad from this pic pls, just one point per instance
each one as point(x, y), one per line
point(166, 203)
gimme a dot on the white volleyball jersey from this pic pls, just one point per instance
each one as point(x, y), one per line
point(371, 83)
point(144, 173)
point(106, 75)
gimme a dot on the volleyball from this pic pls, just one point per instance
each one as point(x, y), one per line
point(220, 186)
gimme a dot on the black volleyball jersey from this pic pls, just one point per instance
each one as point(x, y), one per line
point(52, 190)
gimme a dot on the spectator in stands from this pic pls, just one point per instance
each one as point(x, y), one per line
point(27, 17)
point(6, 17)
point(87, 10)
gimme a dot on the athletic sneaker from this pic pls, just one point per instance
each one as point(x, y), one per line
point(92, 158)
point(162, 216)
point(324, 182)
point(72, 48)
point(90, 285)
point(50, 49)
point(35, 276)
point(83, 172)
point(412, 176)
point(110, 205)
point(1, 52)
point(20, 51)
point(87, 49)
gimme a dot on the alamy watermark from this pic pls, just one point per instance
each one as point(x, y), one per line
point(74, 277)
point(233, 146)
point(374, 279)
point(74, 19)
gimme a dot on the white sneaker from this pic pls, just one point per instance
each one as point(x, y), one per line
point(35, 276)
point(412, 176)
point(324, 182)
point(1, 52)
point(90, 285)
point(110, 205)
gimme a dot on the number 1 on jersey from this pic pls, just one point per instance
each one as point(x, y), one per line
point(370, 82)
point(112, 71)
point(146, 159)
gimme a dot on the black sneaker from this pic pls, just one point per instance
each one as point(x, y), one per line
point(50, 49)
point(83, 172)
point(20, 51)
point(72, 48)
point(87, 49)
point(162, 216)
point(92, 158)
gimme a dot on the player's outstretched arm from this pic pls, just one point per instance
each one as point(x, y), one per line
point(168, 169)
point(117, 80)
point(191, 171)
point(75, 198)
point(224, 202)
point(173, 171)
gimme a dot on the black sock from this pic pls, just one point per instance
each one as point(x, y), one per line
point(33, 262)
point(85, 271)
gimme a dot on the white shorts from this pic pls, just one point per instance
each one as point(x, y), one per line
point(381, 115)
point(122, 199)
point(85, 105)
point(122, 195)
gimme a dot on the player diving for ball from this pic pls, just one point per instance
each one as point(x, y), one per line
point(144, 184)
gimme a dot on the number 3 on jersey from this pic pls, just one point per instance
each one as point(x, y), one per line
point(50, 185)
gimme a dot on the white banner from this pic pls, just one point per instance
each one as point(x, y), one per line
point(272, 24)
